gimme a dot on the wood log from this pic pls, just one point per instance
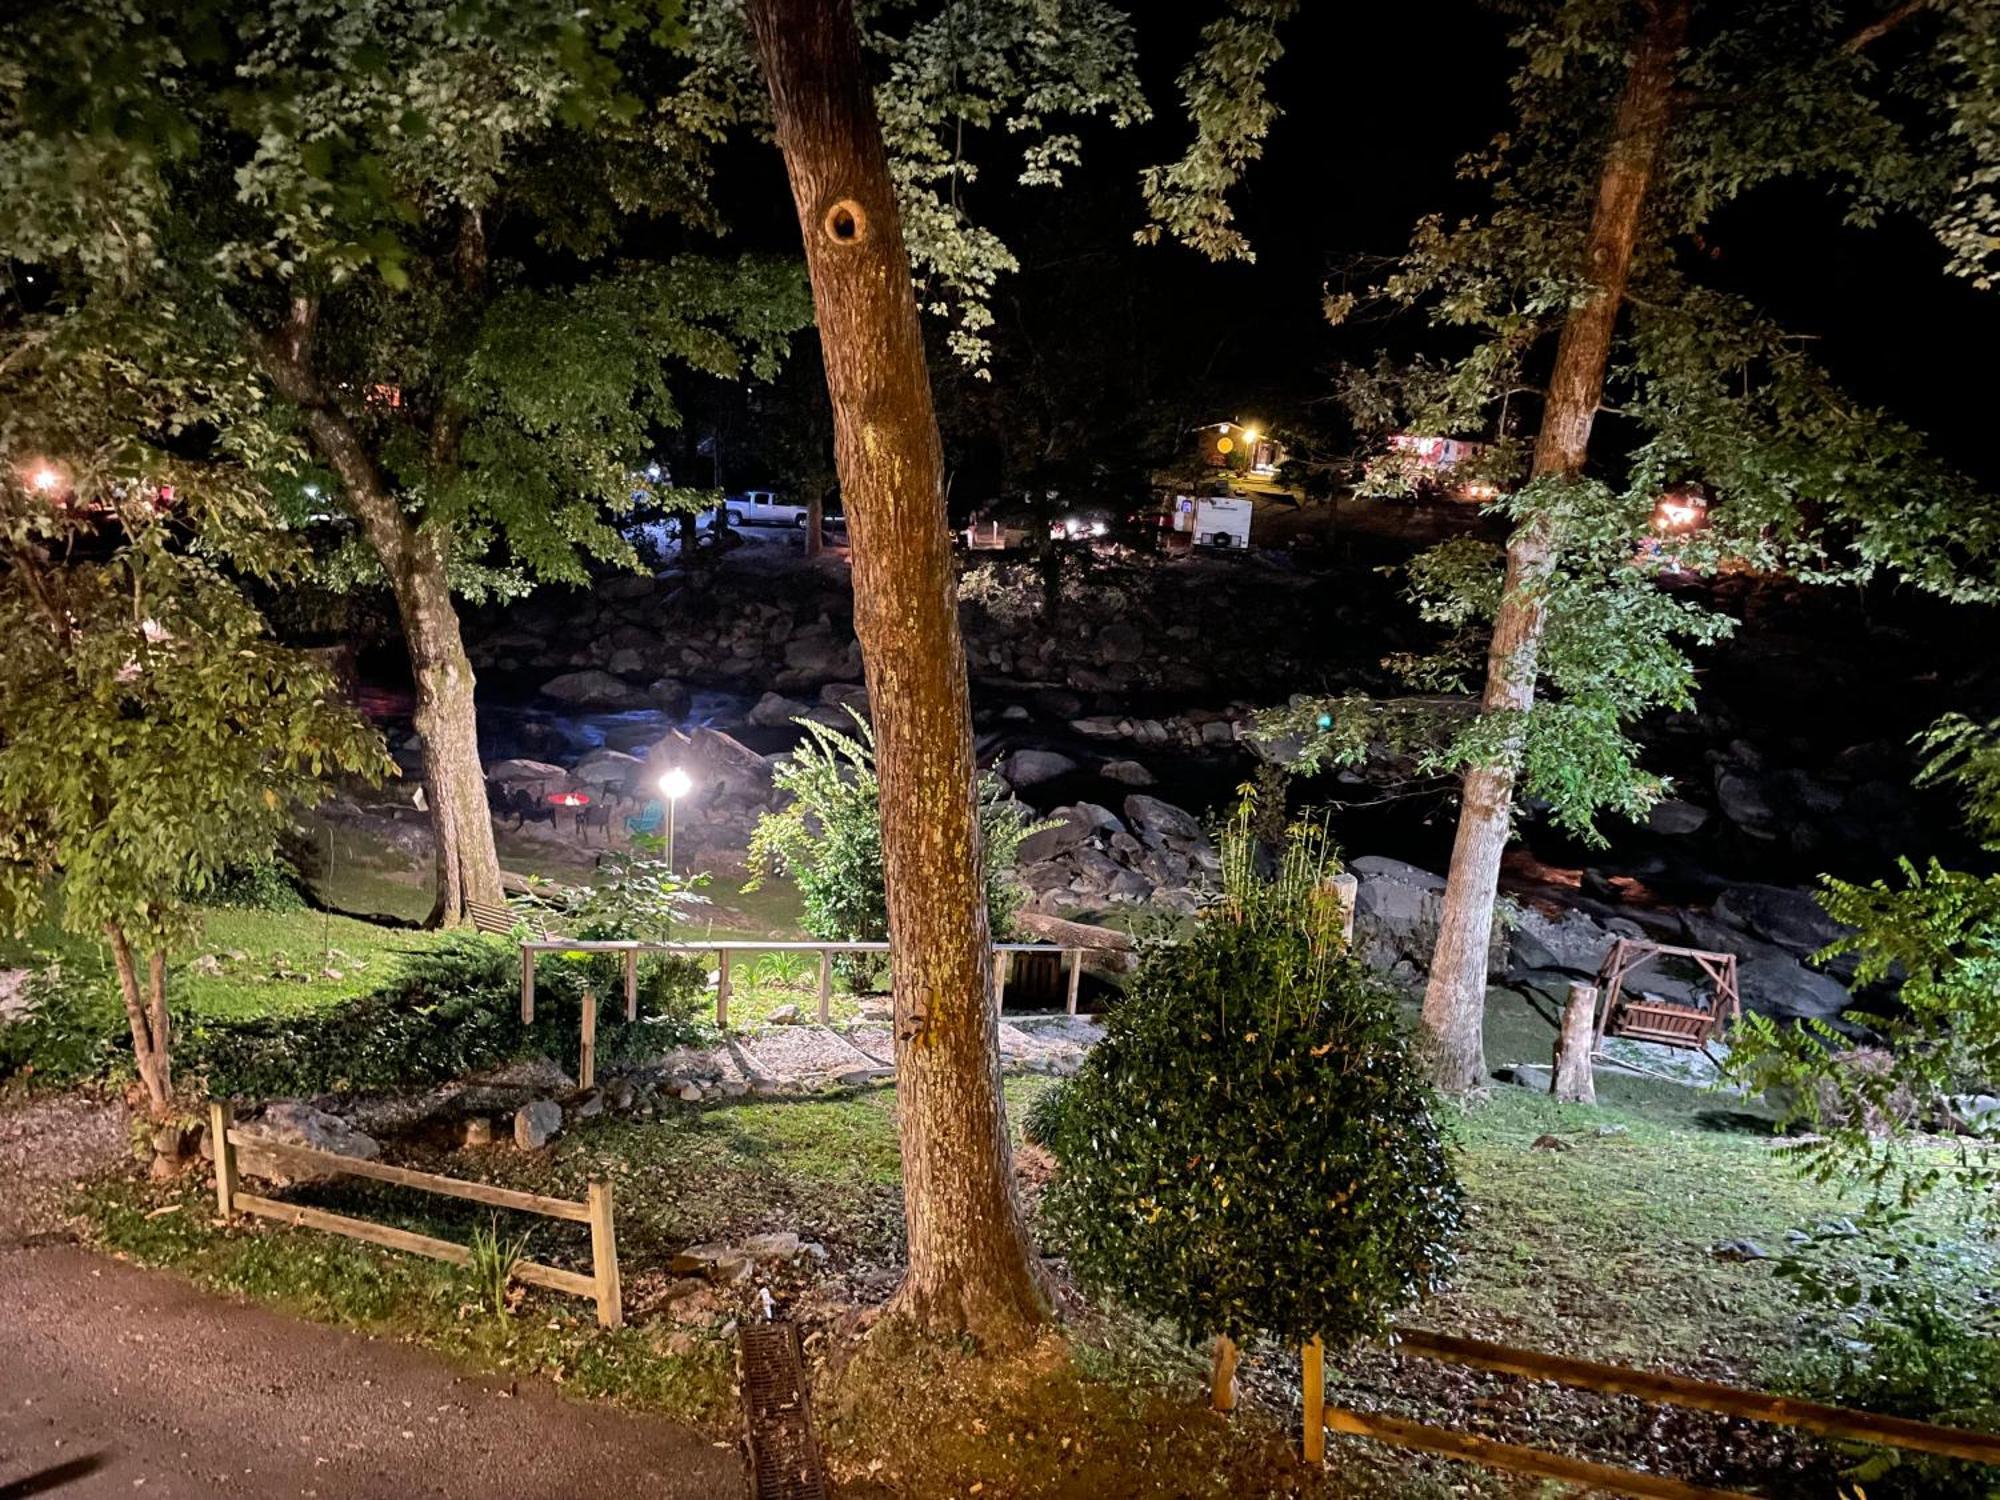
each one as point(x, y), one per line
point(1573, 1082)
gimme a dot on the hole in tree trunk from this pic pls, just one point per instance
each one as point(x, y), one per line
point(846, 223)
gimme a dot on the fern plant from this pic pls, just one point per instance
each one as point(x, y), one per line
point(828, 838)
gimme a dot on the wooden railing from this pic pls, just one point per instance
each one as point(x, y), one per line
point(601, 1285)
point(725, 952)
point(1615, 1380)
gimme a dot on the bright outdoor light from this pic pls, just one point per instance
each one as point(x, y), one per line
point(1250, 436)
point(45, 477)
point(675, 784)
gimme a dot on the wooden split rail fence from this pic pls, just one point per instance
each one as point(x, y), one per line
point(630, 950)
point(601, 1285)
point(1612, 1380)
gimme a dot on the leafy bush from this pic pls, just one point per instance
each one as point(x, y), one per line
point(74, 1030)
point(260, 885)
point(1900, 1349)
point(1251, 1148)
point(829, 838)
point(454, 1010)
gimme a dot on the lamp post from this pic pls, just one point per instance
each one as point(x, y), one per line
point(674, 785)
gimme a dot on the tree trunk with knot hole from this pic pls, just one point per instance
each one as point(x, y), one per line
point(971, 1270)
point(1455, 1000)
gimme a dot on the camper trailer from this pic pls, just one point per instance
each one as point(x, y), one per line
point(1214, 520)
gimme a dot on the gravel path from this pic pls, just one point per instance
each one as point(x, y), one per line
point(121, 1381)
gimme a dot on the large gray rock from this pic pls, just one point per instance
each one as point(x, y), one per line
point(592, 688)
point(1126, 772)
point(1396, 909)
point(1571, 941)
point(611, 767)
point(1033, 767)
point(1743, 800)
point(775, 711)
point(521, 771)
point(1075, 826)
point(1120, 641)
point(1793, 919)
point(1786, 987)
point(1154, 821)
point(293, 1123)
point(536, 1124)
point(1670, 815)
point(821, 656)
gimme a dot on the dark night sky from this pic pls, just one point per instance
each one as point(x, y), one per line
point(1379, 103)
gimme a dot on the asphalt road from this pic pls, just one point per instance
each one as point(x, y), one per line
point(121, 1381)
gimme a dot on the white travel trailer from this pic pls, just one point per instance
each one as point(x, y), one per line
point(1214, 520)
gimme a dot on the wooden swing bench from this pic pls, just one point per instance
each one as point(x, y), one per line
point(1646, 1019)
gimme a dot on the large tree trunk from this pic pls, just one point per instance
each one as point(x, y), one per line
point(146, 1013)
point(970, 1265)
point(468, 865)
point(1455, 1000)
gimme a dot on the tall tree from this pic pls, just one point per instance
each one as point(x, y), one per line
point(418, 222)
point(970, 1265)
point(152, 735)
point(1455, 997)
point(1629, 142)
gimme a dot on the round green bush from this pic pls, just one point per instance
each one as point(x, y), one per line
point(1251, 1147)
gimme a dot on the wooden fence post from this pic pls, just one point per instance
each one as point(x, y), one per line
point(604, 1258)
point(1222, 1374)
point(722, 988)
point(1572, 1081)
point(1003, 965)
point(527, 986)
point(1075, 976)
point(632, 983)
point(586, 1067)
point(1312, 1369)
point(825, 986)
point(221, 1118)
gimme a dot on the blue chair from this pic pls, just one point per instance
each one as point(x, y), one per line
point(650, 819)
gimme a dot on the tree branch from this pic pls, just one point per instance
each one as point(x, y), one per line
point(1875, 30)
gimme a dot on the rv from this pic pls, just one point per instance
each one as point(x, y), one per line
point(1214, 520)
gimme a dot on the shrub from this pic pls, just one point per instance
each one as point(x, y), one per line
point(1912, 1356)
point(259, 885)
point(74, 1030)
point(1251, 1148)
point(453, 1010)
point(829, 838)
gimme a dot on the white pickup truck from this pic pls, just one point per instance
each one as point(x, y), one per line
point(762, 508)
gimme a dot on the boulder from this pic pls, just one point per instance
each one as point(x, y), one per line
point(1570, 940)
point(844, 696)
point(1120, 641)
point(1786, 987)
point(1741, 796)
point(1126, 772)
point(819, 655)
point(668, 695)
point(292, 1123)
point(1791, 918)
point(593, 688)
point(608, 768)
point(536, 1124)
point(523, 772)
point(1154, 821)
point(1099, 728)
point(1396, 911)
point(1075, 825)
point(775, 711)
point(1033, 767)
point(626, 661)
point(1672, 816)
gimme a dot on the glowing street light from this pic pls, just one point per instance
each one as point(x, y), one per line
point(46, 478)
point(674, 783)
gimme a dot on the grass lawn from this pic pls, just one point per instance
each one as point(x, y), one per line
point(1602, 1249)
